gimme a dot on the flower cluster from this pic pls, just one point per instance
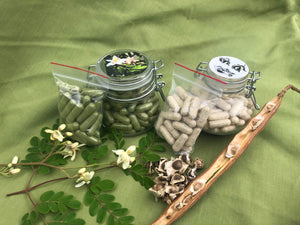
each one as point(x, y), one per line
point(85, 177)
point(119, 61)
point(70, 149)
point(10, 169)
point(124, 157)
point(57, 135)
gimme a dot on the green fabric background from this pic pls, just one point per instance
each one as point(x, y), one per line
point(262, 187)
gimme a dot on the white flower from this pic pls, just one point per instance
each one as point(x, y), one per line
point(14, 171)
point(85, 177)
point(15, 160)
point(70, 149)
point(130, 60)
point(56, 134)
point(10, 169)
point(115, 61)
point(124, 157)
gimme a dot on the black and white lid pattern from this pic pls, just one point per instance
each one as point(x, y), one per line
point(228, 68)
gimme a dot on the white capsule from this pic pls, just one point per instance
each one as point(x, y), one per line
point(186, 106)
point(159, 121)
point(191, 123)
point(173, 104)
point(179, 143)
point(182, 127)
point(194, 107)
point(229, 128)
point(218, 116)
point(243, 114)
point(237, 106)
point(222, 104)
point(193, 137)
point(181, 92)
point(165, 133)
point(178, 99)
point(170, 128)
point(219, 123)
point(171, 116)
point(202, 117)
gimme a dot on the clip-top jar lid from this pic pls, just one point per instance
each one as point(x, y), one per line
point(228, 68)
point(128, 82)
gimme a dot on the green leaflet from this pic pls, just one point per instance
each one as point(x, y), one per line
point(58, 207)
point(102, 204)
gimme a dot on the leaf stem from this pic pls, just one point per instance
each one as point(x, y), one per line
point(50, 181)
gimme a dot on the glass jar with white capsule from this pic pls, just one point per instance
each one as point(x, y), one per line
point(231, 111)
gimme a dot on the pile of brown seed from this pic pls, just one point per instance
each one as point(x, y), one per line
point(173, 176)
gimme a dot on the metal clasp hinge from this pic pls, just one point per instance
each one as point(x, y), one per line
point(201, 69)
point(157, 76)
point(251, 88)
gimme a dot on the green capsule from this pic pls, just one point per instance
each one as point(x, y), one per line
point(152, 99)
point(68, 108)
point(142, 115)
point(94, 93)
point(74, 113)
point(108, 117)
point(134, 121)
point(85, 139)
point(154, 109)
point(89, 109)
point(121, 126)
point(120, 118)
point(96, 126)
point(72, 127)
point(131, 107)
point(125, 94)
point(117, 106)
point(97, 133)
point(64, 98)
point(88, 122)
point(130, 132)
point(68, 87)
point(124, 111)
point(86, 99)
point(145, 123)
point(144, 107)
point(107, 106)
point(152, 119)
point(98, 105)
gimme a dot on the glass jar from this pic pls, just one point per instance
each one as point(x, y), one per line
point(132, 103)
point(230, 112)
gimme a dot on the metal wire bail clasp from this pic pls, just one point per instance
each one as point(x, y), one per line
point(157, 76)
point(201, 69)
point(251, 88)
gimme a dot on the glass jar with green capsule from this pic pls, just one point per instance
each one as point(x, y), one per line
point(132, 102)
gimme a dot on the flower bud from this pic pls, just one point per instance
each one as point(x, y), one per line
point(14, 171)
point(15, 160)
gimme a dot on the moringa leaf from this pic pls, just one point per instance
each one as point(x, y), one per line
point(101, 215)
point(106, 185)
point(34, 141)
point(43, 208)
point(46, 196)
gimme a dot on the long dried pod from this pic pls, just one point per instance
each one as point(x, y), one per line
point(229, 155)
